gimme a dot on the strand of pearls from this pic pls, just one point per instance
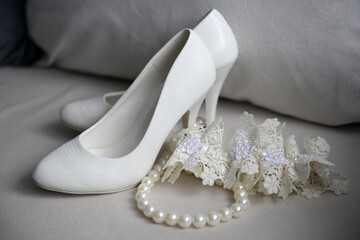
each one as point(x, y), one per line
point(213, 218)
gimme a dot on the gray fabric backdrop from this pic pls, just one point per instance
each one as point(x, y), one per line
point(301, 58)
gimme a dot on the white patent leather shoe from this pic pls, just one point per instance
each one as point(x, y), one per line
point(81, 115)
point(220, 40)
point(119, 150)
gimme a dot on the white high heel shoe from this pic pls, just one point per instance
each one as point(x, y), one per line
point(119, 150)
point(80, 115)
point(220, 40)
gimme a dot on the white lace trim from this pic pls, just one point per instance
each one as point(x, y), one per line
point(257, 156)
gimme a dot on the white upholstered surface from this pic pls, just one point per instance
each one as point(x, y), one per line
point(295, 57)
point(29, 129)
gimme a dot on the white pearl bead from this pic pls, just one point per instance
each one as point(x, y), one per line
point(144, 187)
point(244, 202)
point(148, 210)
point(238, 186)
point(166, 155)
point(149, 181)
point(141, 195)
point(200, 121)
point(199, 220)
point(157, 167)
point(162, 161)
point(155, 175)
point(236, 209)
point(171, 219)
point(185, 220)
point(240, 194)
point(226, 214)
point(213, 218)
point(219, 183)
point(158, 216)
point(142, 203)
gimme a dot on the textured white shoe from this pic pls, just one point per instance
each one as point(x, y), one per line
point(220, 40)
point(119, 150)
point(81, 115)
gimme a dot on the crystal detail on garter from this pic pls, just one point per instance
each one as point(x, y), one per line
point(240, 150)
point(271, 155)
point(190, 145)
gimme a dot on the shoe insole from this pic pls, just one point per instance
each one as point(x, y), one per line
point(122, 129)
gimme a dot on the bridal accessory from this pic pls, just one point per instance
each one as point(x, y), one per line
point(256, 155)
point(254, 159)
point(185, 220)
point(80, 115)
point(116, 152)
point(218, 37)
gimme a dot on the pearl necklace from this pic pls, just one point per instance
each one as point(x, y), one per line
point(185, 220)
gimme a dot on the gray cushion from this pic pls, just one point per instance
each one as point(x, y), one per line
point(301, 58)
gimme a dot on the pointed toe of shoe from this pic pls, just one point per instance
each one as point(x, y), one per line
point(56, 172)
point(64, 170)
point(83, 114)
point(46, 176)
point(73, 169)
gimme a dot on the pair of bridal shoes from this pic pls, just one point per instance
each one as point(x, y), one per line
point(125, 130)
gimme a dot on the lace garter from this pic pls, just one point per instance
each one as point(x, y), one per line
point(257, 156)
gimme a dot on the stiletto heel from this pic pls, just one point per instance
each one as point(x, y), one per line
point(190, 116)
point(214, 92)
point(220, 40)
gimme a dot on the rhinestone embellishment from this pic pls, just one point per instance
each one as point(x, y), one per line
point(240, 150)
point(190, 145)
point(271, 155)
